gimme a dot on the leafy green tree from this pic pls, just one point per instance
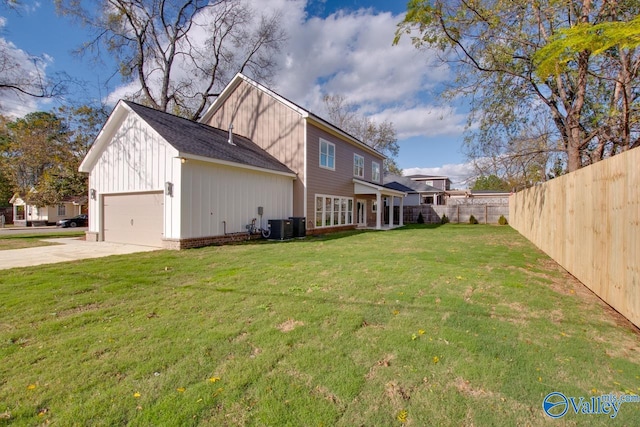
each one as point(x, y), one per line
point(597, 39)
point(6, 191)
point(491, 182)
point(556, 170)
point(590, 103)
point(612, 46)
point(34, 146)
point(6, 187)
point(41, 152)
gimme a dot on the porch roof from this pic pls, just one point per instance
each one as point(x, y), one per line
point(366, 187)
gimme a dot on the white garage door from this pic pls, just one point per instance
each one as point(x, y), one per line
point(134, 218)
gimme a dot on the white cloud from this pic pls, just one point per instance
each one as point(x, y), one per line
point(30, 8)
point(17, 67)
point(460, 174)
point(350, 53)
point(424, 120)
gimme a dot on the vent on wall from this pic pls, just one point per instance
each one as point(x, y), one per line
point(230, 140)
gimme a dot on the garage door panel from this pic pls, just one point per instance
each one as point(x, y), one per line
point(134, 218)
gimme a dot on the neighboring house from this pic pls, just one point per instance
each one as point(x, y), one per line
point(418, 192)
point(26, 213)
point(440, 182)
point(434, 203)
point(436, 190)
point(339, 183)
point(160, 180)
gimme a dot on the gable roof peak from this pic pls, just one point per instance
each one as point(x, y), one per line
point(188, 138)
point(234, 83)
point(303, 112)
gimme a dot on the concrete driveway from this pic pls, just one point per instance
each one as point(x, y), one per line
point(67, 249)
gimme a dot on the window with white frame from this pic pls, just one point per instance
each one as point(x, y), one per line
point(375, 172)
point(332, 211)
point(358, 166)
point(327, 155)
point(62, 210)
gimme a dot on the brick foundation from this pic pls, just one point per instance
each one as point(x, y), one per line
point(198, 242)
point(327, 230)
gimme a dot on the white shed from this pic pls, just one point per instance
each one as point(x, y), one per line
point(160, 180)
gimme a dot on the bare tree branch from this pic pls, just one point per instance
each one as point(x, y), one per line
point(181, 52)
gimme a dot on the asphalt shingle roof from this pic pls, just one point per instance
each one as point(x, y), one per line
point(408, 185)
point(397, 186)
point(198, 139)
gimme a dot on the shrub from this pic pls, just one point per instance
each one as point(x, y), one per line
point(473, 220)
point(420, 218)
point(502, 220)
point(444, 219)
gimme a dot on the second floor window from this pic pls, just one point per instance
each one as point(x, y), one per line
point(327, 155)
point(375, 172)
point(358, 166)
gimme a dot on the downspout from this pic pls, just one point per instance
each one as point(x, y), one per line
point(304, 175)
point(378, 210)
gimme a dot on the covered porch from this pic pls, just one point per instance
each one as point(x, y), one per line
point(383, 198)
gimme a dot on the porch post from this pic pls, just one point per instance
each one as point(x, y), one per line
point(401, 222)
point(391, 209)
point(379, 208)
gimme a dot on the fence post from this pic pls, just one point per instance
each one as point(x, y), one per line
point(486, 215)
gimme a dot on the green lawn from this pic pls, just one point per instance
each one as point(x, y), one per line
point(21, 241)
point(453, 325)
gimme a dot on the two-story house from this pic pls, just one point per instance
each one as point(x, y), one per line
point(340, 179)
point(442, 183)
point(418, 191)
point(161, 180)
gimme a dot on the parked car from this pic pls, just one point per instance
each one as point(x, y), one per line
point(76, 221)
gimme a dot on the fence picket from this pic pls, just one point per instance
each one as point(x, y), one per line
point(588, 221)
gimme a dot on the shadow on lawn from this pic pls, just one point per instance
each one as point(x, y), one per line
point(344, 234)
point(465, 313)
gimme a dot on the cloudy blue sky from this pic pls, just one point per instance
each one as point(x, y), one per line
point(334, 47)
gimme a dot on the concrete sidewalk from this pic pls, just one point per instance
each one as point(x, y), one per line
point(67, 249)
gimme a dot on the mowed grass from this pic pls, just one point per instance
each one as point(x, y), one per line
point(22, 241)
point(454, 325)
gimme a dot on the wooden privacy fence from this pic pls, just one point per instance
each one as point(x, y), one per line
point(432, 214)
point(588, 221)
